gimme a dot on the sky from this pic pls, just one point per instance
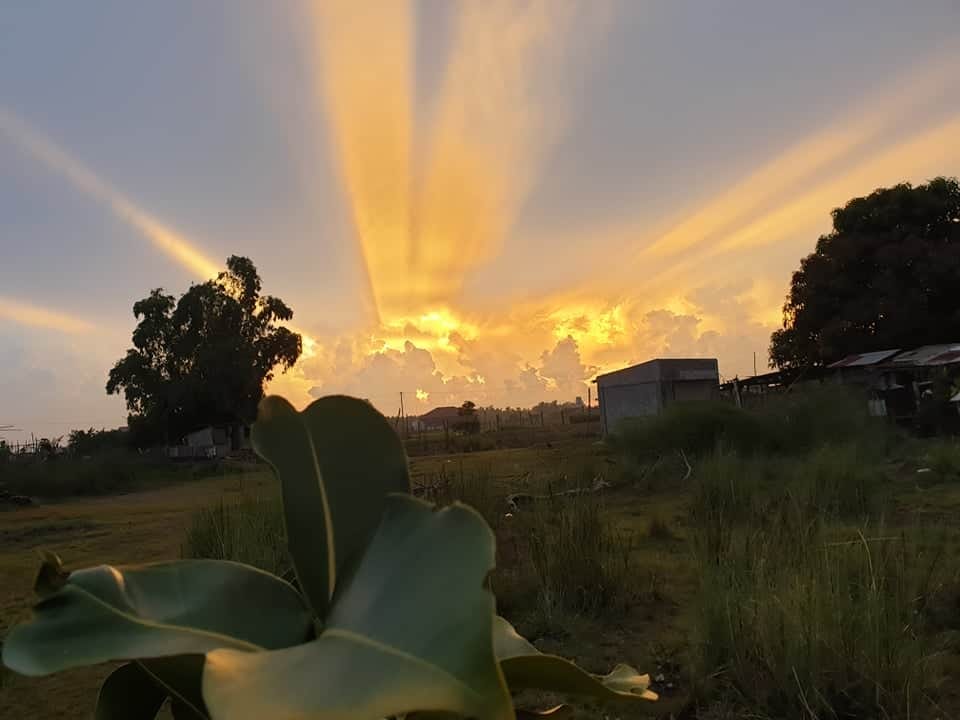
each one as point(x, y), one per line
point(487, 200)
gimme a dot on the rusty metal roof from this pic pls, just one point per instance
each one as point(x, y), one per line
point(864, 359)
point(930, 355)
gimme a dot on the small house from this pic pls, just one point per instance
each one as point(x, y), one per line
point(440, 418)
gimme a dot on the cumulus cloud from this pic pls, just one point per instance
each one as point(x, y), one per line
point(529, 355)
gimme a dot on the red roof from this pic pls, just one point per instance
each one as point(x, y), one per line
point(444, 412)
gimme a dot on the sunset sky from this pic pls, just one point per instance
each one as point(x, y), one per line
point(489, 200)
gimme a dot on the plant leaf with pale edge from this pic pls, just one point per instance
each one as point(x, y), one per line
point(181, 677)
point(525, 667)
point(337, 461)
point(151, 611)
point(410, 630)
point(129, 693)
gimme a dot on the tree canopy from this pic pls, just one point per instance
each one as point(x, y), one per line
point(886, 277)
point(203, 359)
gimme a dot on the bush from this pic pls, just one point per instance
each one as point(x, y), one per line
point(250, 531)
point(696, 428)
point(792, 424)
point(64, 476)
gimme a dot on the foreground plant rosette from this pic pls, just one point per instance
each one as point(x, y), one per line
point(391, 616)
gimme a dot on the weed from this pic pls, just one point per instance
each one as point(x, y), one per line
point(942, 457)
point(249, 531)
point(802, 620)
point(579, 562)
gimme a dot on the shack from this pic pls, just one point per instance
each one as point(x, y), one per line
point(647, 388)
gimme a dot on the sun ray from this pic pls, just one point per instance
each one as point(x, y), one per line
point(363, 60)
point(31, 315)
point(865, 123)
point(488, 136)
point(165, 238)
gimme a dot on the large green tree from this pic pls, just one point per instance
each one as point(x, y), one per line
point(205, 358)
point(886, 277)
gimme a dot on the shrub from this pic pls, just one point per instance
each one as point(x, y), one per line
point(792, 423)
point(64, 476)
point(696, 428)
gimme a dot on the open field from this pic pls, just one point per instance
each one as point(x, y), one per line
point(746, 585)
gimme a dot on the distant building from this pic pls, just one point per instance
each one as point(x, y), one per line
point(207, 442)
point(647, 388)
point(439, 418)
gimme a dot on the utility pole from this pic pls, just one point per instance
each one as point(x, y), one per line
point(754, 363)
point(403, 416)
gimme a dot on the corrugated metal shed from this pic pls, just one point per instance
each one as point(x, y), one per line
point(663, 370)
point(946, 354)
point(864, 359)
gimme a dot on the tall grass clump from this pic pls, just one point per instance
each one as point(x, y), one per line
point(477, 490)
point(250, 531)
point(843, 481)
point(580, 563)
point(799, 614)
point(942, 457)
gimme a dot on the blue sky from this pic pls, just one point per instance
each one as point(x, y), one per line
point(542, 150)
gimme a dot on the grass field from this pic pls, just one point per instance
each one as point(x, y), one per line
point(825, 584)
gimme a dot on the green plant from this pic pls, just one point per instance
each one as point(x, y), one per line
point(391, 616)
point(580, 563)
point(801, 614)
point(249, 531)
point(942, 457)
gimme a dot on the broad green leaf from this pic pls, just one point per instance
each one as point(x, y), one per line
point(525, 667)
point(410, 630)
point(337, 461)
point(150, 611)
point(129, 693)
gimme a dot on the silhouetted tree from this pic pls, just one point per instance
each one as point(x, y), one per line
point(90, 442)
point(205, 358)
point(886, 277)
point(467, 422)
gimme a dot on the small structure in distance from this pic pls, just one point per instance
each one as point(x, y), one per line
point(439, 418)
point(647, 388)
